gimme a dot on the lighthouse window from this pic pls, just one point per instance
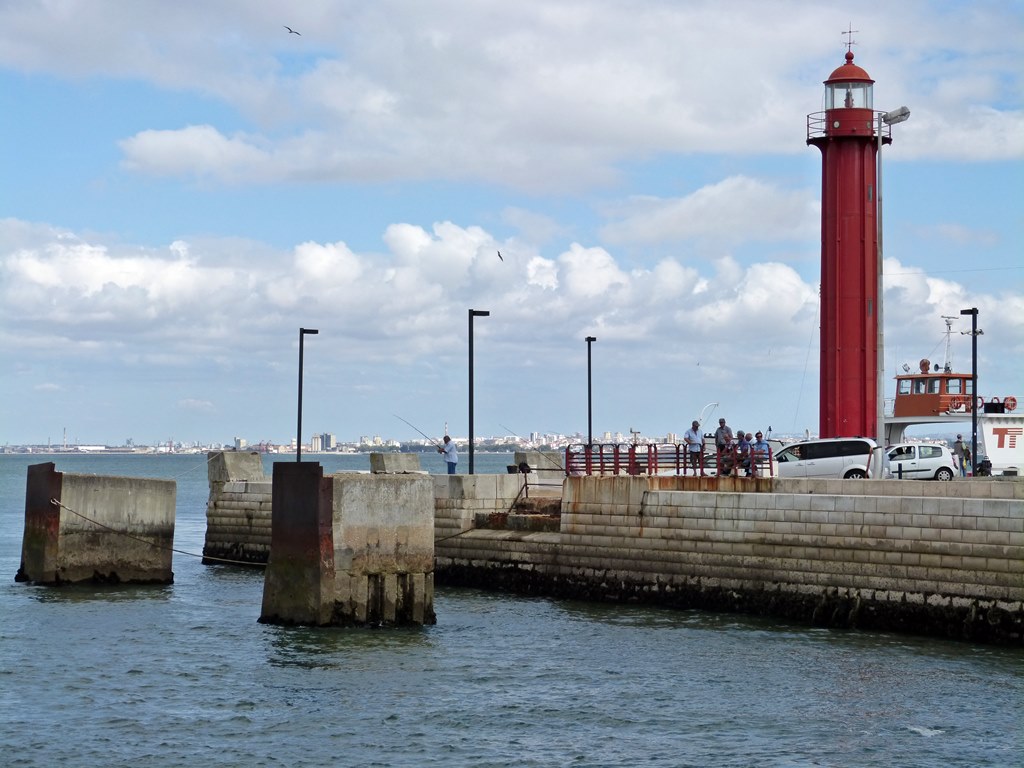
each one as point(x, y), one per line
point(848, 96)
point(953, 386)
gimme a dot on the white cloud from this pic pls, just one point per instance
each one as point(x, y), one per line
point(733, 210)
point(399, 91)
point(198, 149)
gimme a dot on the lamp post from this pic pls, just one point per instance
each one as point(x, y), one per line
point(472, 313)
point(298, 427)
point(888, 118)
point(973, 312)
point(590, 410)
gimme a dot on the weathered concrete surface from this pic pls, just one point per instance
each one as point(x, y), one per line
point(350, 549)
point(384, 549)
point(127, 538)
point(233, 466)
point(238, 510)
point(947, 561)
point(394, 463)
point(298, 586)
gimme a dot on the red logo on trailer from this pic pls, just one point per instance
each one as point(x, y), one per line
point(1006, 437)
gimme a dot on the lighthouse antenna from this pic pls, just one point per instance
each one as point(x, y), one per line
point(948, 365)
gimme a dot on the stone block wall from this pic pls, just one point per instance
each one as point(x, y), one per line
point(459, 498)
point(926, 557)
point(238, 511)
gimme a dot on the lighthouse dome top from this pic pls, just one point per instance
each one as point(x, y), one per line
point(849, 72)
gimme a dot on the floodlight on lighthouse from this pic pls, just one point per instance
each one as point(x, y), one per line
point(896, 116)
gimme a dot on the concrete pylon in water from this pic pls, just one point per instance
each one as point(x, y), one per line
point(349, 549)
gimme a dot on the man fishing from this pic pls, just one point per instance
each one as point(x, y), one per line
point(451, 454)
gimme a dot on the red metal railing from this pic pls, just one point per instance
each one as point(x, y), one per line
point(662, 459)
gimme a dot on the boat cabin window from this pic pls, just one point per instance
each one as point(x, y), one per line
point(919, 386)
point(904, 387)
point(933, 386)
point(953, 386)
point(968, 386)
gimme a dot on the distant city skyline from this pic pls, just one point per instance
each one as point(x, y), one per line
point(944, 432)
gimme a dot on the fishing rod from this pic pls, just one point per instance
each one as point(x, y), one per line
point(419, 430)
point(542, 453)
point(700, 418)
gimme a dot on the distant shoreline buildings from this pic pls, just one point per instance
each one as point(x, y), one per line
point(327, 443)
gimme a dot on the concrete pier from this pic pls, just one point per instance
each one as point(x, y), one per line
point(349, 549)
point(942, 559)
point(104, 529)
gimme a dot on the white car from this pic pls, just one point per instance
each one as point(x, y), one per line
point(846, 457)
point(921, 461)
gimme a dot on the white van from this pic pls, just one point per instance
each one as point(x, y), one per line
point(845, 457)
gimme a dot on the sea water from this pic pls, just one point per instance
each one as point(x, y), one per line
point(184, 675)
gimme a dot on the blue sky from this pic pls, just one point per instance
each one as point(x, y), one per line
point(186, 184)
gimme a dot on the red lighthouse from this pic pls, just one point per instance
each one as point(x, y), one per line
point(845, 134)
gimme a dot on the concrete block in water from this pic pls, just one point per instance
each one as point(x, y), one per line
point(298, 586)
point(384, 549)
point(350, 549)
point(105, 529)
point(394, 463)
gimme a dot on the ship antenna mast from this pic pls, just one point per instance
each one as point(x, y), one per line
point(948, 365)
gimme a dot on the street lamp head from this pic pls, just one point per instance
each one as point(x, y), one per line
point(479, 313)
point(308, 330)
point(590, 339)
point(896, 116)
point(971, 311)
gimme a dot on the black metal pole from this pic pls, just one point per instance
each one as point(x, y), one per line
point(472, 313)
point(973, 312)
point(298, 426)
point(590, 402)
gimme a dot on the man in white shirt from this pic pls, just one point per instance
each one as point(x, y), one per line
point(451, 454)
point(694, 445)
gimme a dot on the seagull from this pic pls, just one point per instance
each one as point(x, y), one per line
point(292, 31)
point(499, 256)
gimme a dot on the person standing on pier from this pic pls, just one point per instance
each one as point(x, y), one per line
point(760, 453)
point(451, 454)
point(694, 445)
point(724, 448)
point(961, 451)
point(723, 435)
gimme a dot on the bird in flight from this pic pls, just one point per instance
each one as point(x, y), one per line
point(292, 31)
point(500, 256)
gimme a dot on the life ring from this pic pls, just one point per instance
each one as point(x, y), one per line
point(1010, 403)
point(979, 403)
point(955, 403)
point(995, 401)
